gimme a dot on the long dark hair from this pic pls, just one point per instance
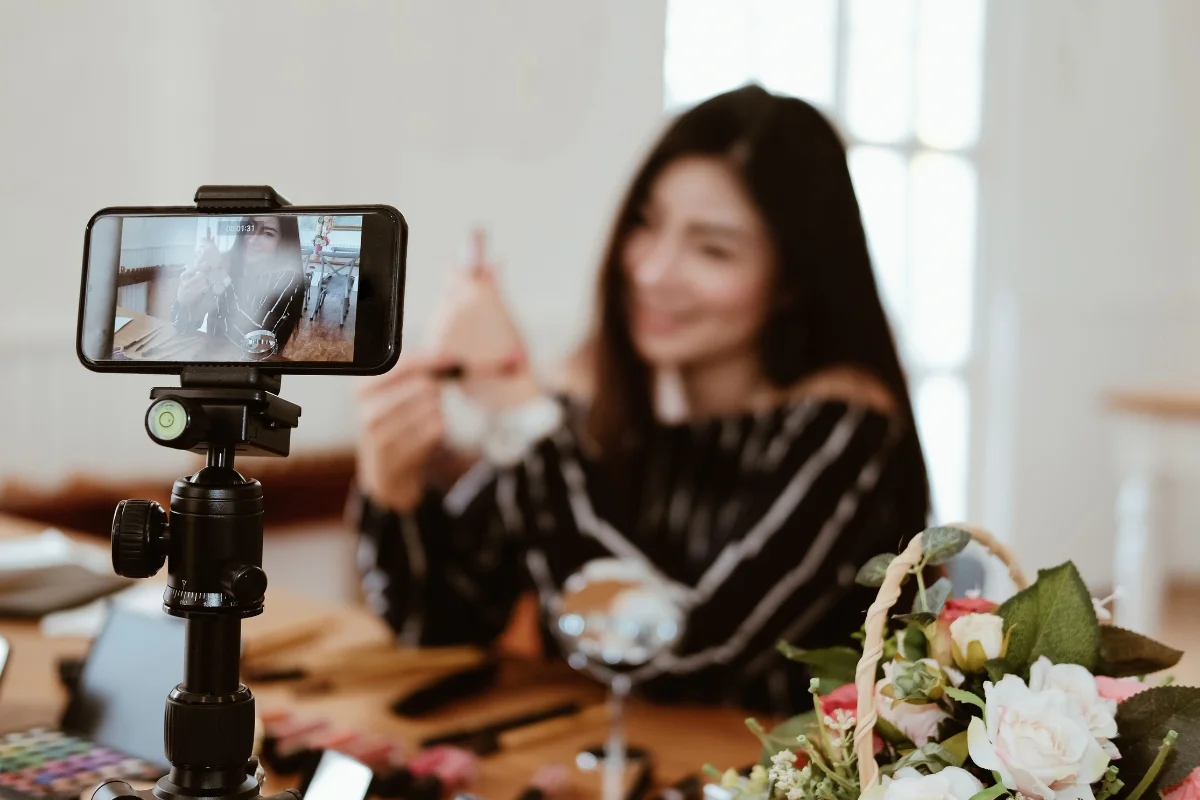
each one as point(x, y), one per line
point(287, 252)
point(827, 310)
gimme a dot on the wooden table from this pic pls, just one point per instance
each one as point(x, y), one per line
point(1157, 438)
point(159, 339)
point(173, 346)
point(681, 739)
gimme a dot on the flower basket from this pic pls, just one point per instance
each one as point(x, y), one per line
point(964, 699)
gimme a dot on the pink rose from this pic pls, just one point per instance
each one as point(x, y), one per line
point(1119, 689)
point(965, 605)
point(1186, 789)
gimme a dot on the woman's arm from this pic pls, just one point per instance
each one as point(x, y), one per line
point(277, 299)
point(441, 568)
point(435, 579)
point(812, 503)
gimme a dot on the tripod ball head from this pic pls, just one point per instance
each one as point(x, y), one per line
point(139, 538)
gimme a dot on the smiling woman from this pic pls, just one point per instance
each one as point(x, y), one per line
point(737, 273)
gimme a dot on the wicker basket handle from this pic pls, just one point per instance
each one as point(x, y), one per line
point(877, 616)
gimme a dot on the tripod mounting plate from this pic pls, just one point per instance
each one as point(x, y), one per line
point(225, 411)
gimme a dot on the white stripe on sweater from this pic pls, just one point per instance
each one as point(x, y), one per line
point(791, 582)
point(784, 506)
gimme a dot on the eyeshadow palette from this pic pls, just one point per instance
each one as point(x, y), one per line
point(53, 765)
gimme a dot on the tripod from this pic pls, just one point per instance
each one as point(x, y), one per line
point(212, 545)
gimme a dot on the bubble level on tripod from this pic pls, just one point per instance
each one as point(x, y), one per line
point(167, 419)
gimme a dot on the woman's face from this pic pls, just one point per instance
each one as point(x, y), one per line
point(698, 266)
point(264, 241)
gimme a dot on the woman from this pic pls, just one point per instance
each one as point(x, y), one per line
point(252, 294)
point(737, 272)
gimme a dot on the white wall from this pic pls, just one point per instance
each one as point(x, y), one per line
point(528, 115)
point(1091, 251)
point(525, 115)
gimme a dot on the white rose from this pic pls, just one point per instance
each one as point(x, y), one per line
point(1036, 742)
point(976, 638)
point(1080, 687)
point(917, 722)
point(952, 783)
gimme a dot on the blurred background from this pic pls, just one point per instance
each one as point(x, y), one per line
point(1026, 170)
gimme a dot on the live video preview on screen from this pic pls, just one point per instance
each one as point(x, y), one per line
point(228, 289)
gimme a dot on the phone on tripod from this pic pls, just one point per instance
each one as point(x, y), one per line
point(294, 290)
point(230, 295)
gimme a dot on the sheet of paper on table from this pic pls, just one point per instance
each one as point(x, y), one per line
point(121, 322)
point(52, 548)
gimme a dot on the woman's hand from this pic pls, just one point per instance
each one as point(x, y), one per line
point(192, 286)
point(208, 269)
point(401, 417)
point(474, 328)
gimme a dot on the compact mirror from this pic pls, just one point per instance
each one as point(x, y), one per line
point(614, 617)
point(259, 344)
point(618, 616)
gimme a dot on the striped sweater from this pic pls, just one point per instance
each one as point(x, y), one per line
point(260, 301)
point(760, 519)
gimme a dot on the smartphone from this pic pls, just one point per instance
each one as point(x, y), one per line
point(4, 648)
point(315, 289)
point(339, 777)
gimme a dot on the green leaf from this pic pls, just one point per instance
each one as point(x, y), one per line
point(935, 598)
point(1145, 719)
point(963, 696)
point(832, 665)
point(943, 543)
point(1054, 618)
point(782, 736)
point(1125, 654)
point(997, 668)
point(892, 735)
point(957, 745)
point(872, 573)
point(930, 759)
point(828, 685)
point(990, 793)
point(913, 644)
point(921, 618)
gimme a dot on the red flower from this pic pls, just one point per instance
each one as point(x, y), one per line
point(1187, 789)
point(844, 698)
point(965, 605)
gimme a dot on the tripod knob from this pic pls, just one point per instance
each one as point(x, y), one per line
point(247, 584)
point(138, 533)
point(115, 790)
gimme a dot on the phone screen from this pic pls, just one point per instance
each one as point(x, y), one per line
point(284, 287)
point(339, 777)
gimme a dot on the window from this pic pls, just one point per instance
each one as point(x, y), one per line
point(902, 80)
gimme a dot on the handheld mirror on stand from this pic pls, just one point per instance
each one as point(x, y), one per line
point(615, 617)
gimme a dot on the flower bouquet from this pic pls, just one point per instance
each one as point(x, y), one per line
point(964, 699)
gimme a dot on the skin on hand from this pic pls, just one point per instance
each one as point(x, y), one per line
point(474, 328)
point(401, 425)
